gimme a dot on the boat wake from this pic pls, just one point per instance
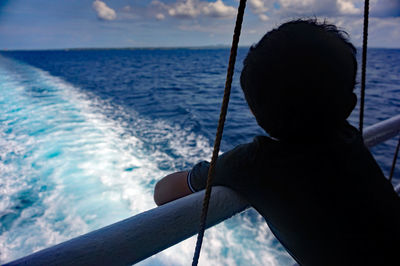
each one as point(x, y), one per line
point(71, 163)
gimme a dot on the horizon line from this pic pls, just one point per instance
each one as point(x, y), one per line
point(217, 46)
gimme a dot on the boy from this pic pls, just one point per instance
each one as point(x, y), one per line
point(313, 180)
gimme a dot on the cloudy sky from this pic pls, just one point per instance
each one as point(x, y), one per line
point(44, 24)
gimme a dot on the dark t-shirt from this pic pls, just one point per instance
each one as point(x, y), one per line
point(326, 201)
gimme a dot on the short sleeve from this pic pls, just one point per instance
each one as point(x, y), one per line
point(197, 177)
point(189, 182)
point(232, 167)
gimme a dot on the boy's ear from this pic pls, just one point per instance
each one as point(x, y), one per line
point(351, 104)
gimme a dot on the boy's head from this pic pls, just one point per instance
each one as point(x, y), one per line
point(299, 79)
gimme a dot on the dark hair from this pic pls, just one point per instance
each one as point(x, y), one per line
point(299, 79)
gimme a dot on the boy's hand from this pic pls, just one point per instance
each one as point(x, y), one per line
point(171, 187)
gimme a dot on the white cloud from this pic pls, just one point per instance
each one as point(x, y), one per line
point(378, 8)
point(103, 11)
point(197, 8)
point(263, 17)
point(218, 9)
point(160, 16)
point(347, 7)
point(297, 4)
point(347, 14)
point(384, 31)
point(184, 9)
point(321, 7)
point(259, 7)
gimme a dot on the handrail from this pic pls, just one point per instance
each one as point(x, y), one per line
point(138, 237)
point(382, 131)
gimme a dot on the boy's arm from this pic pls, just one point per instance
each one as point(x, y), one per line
point(231, 171)
point(171, 187)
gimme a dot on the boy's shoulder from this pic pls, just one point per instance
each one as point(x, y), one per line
point(345, 137)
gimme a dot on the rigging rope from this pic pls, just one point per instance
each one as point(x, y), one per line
point(218, 137)
point(394, 161)
point(364, 64)
point(363, 75)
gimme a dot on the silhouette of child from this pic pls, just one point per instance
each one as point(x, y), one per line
point(319, 189)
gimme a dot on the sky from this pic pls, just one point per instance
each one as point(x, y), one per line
point(56, 24)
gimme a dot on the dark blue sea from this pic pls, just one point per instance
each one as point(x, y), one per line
point(85, 134)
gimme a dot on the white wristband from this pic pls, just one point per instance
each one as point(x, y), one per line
point(189, 175)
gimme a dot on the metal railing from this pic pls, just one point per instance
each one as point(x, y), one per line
point(138, 237)
point(382, 131)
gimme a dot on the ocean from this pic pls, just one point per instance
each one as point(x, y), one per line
point(85, 135)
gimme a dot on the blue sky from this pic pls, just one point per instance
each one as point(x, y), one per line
point(49, 24)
